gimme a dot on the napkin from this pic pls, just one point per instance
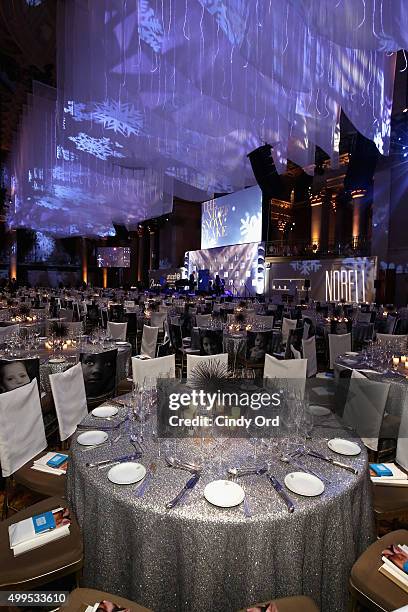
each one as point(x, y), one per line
point(41, 465)
point(398, 476)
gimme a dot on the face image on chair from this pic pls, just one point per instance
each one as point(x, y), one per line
point(258, 344)
point(99, 370)
point(210, 341)
point(17, 373)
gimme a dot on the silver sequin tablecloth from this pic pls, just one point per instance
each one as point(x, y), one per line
point(198, 557)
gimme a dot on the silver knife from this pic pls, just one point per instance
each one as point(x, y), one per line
point(332, 461)
point(280, 491)
point(115, 460)
point(190, 484)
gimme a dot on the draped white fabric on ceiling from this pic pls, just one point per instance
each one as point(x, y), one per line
point(169, 96)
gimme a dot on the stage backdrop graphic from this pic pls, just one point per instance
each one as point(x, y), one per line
point(232, 219)
point(350, 278)
point(113, 257)
point(240, 266)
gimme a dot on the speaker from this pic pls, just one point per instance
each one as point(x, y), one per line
point(306, 284)
point(264, 171)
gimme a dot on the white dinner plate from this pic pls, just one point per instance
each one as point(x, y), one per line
point(304, 484)
point(344, 447)
point(224, 493)
point(92, 438)
point(127, 473)
point(351, 353)
point(104, 412)
point(57, 360)
point(317, 410)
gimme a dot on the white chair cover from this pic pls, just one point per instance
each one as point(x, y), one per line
point(291, 370)
point(68, 390)
point(157, 319)
point(296, 354)
point(22, 434)
point(7, 332)
point(287, 326)
point(194, 360)
point(309, 353)
point(160, 367)
point(202, 320)
point(149, 341)
point(338, 344)
point(284, 368)
point(402, 444)
point(306, 329)
point(398, 342)
point(365, 406)
point(117, 331)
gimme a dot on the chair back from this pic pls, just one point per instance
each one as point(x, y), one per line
point(99, 371)
point(164, 349)
point(116, 313)
point(390, 323)
point(363, 317)
point(68, 391)
point(66, 314)
point(365, 406)
point(203, 320)
point(402, 444)
point(117, 331)
point(309, 353)
point(287, 325)
point(157, 319)
point(211, 341)
point(176, 337)
point(258, 344)
point(194, 360)
point(296, 354)
point(149, 341)
point(160, 367)
point(265, 320)
point(293, 371)
point(22, 434)
point(338, 344)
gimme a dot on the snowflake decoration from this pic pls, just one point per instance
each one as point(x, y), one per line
point(307, 266)
point(99, 147)
point(150, 29)
point(122, 118)
point(251, 227)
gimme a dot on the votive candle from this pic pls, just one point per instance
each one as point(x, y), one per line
point(403, 359)
point(395, 360)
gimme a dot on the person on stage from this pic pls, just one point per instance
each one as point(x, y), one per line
point(192, 282)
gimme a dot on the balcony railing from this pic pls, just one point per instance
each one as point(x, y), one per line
point(357, 247)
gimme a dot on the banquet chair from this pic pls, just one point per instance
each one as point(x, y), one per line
point(43, 565)
point(99, 370)
point(116, 313)
point(293, 371)
point(365, 407)
point(309, 353)
point(369, 587)
point(287, 325)
point(164, 349)
point(68, 390)
point(399, 343)
point(391, 500)
point(195, 360)
point(296, 354)
point(298, 603)
point(391, 322)
point(80, 599)
point(338, 344)
point(117, 331)
point(159, 367)
point(149, 341)
point(157, 319)
point(22, 440)
point(202, 320)
point(66, 314)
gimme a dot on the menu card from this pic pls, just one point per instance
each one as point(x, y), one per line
point(38, 530)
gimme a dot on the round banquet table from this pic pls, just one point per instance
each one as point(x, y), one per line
point(398, 381)
point(198, 557)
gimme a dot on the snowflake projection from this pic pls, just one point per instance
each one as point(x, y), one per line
point(98, 147)
point(251, 227)
point(364, 264)
point(64, 154)
point(122, 118)
point(232, 17)
point(151, 30)
point(307, 266)
point(44, 245)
